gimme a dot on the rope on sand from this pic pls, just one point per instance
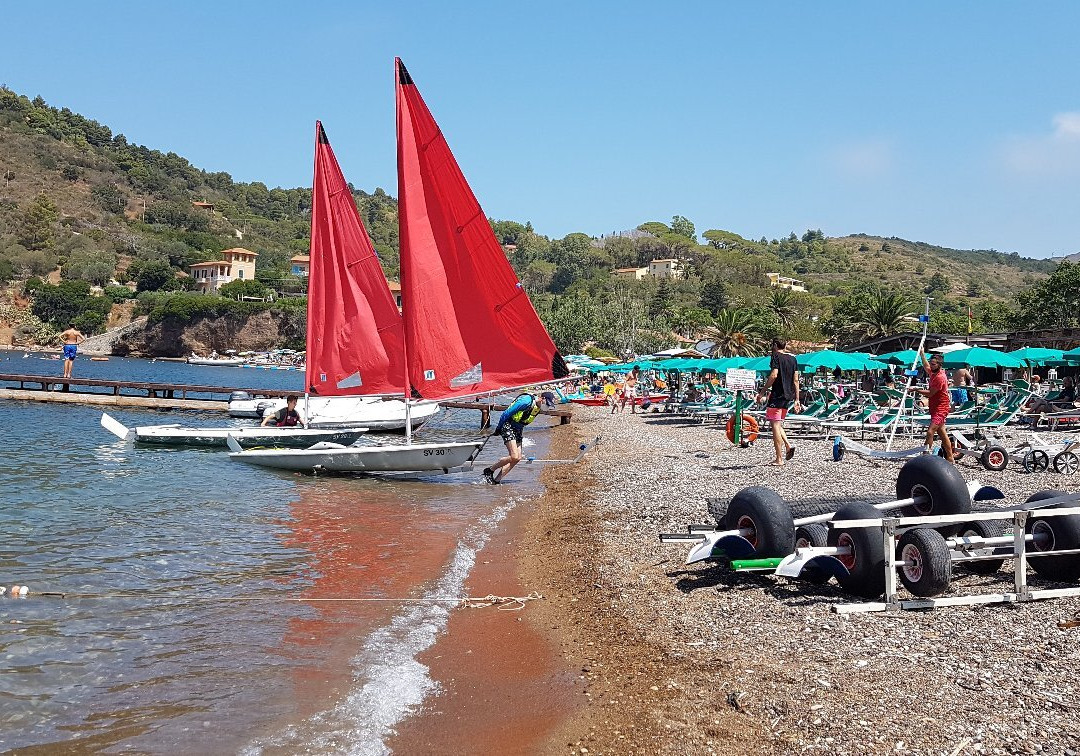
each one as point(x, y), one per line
point(505, 603)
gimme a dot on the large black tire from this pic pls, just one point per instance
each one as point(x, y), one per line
point(983, 529)
point(769, 517)
point(995, 457)
point(939, 481)
point(928, 568)
point(1054, 534)
point(866, 563)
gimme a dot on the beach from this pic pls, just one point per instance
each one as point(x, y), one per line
point(665, 658)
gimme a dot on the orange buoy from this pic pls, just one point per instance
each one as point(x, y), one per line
point(749, 429)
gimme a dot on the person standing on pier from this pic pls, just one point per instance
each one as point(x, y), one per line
point(71, 338)
point(511, 425)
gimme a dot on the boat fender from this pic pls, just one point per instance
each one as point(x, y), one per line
point(750, 429)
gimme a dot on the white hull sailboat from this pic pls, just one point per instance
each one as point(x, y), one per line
point(178, 435)
point(367, 458)
point(215, 361)
point(466, 327)
point(341, 411)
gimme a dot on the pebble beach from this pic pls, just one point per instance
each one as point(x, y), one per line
point(698, 659)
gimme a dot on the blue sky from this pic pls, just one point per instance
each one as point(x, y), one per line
point(950, 123)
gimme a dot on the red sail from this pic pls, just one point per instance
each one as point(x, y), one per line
point(469, 326)
point(355, 343)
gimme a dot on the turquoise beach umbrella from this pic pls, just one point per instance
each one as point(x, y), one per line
point(1073, 355)
point(981, 357)
point(905, 357)
point(1038, 355)
point(829, 359)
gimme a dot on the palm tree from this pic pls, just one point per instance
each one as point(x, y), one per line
point(783, 304)
point(736, 333)
point(886, 314)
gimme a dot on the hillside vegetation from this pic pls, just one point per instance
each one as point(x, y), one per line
point(77, 198)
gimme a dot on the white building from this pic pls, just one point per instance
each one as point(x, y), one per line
point(783, 282)
point(238, 264)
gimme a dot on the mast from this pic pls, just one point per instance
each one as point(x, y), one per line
point(907, 382)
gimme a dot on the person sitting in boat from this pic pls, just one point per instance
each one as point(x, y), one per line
point(511, 425)
point(286, 417)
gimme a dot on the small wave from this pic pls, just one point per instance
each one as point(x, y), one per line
point(390, 682)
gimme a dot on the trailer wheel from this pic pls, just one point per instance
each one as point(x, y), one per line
point(1066, 463)
point(1035, 460)
point(983, 529)
point(866, 562)
point(927, 569)
point(767, 516)
point(995, 457)
point(814, 534)
point(1055, 534)
point(939, 481)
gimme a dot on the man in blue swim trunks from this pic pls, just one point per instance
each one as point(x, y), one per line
point(71, 338)
point(512, 423)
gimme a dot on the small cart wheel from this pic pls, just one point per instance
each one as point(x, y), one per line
point(814, 534)
point(1066, 463)
point(983, 529)
point(995, 457)
point(1036, 460)
point(927, 569)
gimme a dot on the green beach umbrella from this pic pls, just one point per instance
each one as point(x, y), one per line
point(1038, 355)
point(829, 359)
point(757, 364)
point(1073, 355)
point(904, 357)
point(981, 357)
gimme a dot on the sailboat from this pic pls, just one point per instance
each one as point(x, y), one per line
point(469, 327)
point(354, 372)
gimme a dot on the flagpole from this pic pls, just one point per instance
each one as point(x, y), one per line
point(907, 382)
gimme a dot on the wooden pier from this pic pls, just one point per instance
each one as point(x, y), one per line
point(486, 408)
point(108, 393)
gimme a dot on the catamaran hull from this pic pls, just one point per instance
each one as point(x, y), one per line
point(341, 412)
point(417, 457)
point(299, 438)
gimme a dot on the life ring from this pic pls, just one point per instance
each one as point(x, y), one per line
point(750, 429)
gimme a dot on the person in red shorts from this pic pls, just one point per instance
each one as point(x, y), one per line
point(783, 387)
point(937, 396)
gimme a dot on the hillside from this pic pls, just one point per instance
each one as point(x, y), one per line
point(80, 203)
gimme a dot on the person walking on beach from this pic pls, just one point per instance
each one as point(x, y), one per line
point(630, 390)
point(937, 397)
point(783, 387)
point(609, 393)
point(511, 425)
point(72, 338)
point(286, 417)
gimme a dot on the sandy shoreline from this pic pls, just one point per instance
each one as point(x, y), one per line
point(655, 657)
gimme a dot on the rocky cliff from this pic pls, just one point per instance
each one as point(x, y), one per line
point(171, 338)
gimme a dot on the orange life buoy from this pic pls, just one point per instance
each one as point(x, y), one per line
point(750, 429)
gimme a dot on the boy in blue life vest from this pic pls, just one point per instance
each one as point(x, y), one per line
point(512, 423)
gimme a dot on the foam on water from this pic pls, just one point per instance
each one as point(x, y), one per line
point(389, 682)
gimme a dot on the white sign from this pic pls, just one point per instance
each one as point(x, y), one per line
point(741, 380)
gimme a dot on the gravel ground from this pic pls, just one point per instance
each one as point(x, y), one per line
point(996, 679)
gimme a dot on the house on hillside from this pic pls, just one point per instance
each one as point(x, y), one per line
point(300, 265)
point(207, 206)
point(665, 268)
point(631, 274)
point(783, 282)
point(237, 264)
point(395, 292)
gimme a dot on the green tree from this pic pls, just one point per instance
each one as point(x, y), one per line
point(538, 276)
point(38, 223)
point(888, 312)
point(683, 227)
point(239, 289)
point(938, 284)
point(736, 333)
point(689, 321)
point(89, 264)
point(783, 305)
point(1054, 303)
point(154, 276)
point(714, 296)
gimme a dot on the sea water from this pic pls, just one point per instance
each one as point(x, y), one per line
point(212, 606)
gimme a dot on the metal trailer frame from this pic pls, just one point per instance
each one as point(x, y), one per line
point(1022, 592)
point(842, 444)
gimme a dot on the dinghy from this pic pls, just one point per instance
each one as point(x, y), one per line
point(374, 412)
point(215, 361)
point(178, 435)
point(468, 328)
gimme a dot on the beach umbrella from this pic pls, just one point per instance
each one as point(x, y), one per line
point(757, 364)
point(981, 357)
point(947, 348)
point(869, 361)
point(1073, 355)
point(829, 359)
point(905, 357)
point(1038, 355)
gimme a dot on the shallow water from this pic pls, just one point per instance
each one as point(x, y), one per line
point(183, 628)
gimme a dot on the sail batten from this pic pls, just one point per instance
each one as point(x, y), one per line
point(355, 342)
point(469, 329)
